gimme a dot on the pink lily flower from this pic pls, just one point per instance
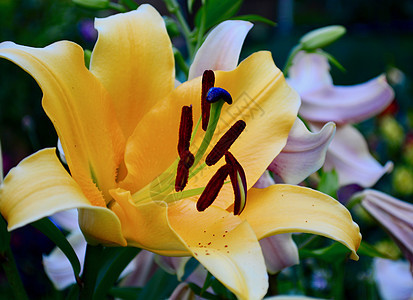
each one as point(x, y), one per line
point(322, 101)
point(393, 279)
point(394, 215)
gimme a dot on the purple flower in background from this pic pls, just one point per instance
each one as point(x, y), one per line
point(87, 30)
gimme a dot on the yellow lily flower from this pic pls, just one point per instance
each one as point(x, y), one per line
point(118, 124)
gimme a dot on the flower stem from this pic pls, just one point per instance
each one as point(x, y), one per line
point(90, 271)
point(181, 61)
point(290, 58)
point(9, 264)
point(174, 8)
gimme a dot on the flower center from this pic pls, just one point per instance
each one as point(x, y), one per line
point(211, 105)
point(177, 176)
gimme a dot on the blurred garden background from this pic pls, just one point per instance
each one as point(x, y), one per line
point(379, 39)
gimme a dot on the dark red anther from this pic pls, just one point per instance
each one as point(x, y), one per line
point(185, 163)
point(225, 142)
point(187, 159)
point(185, 129)
point(208, 81)
point(182, 175)
point(212, 189)
point(239, 183)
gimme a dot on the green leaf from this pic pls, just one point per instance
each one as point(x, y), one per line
point(4, 236)
point(87, 55)
point(190, 267)
point(160, 286)
point(199, 292)
point(132, 5)
point(171, 27)
point(54, 234)
point(333, 253)
point(369, 250)
point(111, 271)
point(221, 290)
point(190, 4)
point(255, 18)
point(329, 183)
point(128, 293)
point(94, 4)
point(217, 11)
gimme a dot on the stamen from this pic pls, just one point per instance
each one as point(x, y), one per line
point(187, 159)
point(239, 183)
point(224, 143)
point(182, 174)
point(212, 189)
point(185, 130)
point(208, 81)
point(215, 94)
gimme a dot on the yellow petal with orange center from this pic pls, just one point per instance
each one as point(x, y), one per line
point(39, 186)
point(225, 245)
point(261, 98)
point(284, 208)
point(81, 111)
point(133, 59)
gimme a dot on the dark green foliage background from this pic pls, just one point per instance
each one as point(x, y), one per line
point(379, 36)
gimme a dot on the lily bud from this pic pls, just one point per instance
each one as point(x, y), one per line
point(322, 37)
point(99, 4)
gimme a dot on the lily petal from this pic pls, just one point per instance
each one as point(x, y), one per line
point(67, 219)
point(183, 292)
point(280, 252)
point(221, 48)
point(347, 104)
point(349, 155)
point(264, 181)
point(284, 208)
point(154, 232)
point(80, 109)
point(395, 216)
point(262, 109)
point(393, 278)
point(48, 189)
point(133, 59)
point(142, 267)
point(309, 72)
point(57, 266)
point(173, 265)
point(323, 102)
point(303, 154)
point(228, 248)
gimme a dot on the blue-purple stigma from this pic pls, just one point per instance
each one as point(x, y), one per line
point(215, 94)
